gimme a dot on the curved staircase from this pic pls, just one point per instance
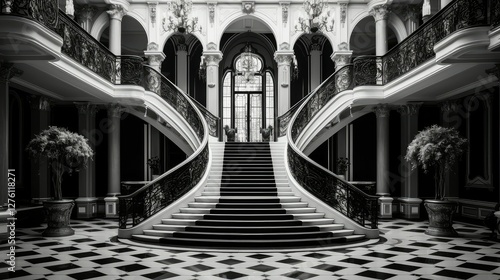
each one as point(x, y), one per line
point(248, 203)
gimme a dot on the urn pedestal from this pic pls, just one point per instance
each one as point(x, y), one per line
point(440, 214)
point(58, 214)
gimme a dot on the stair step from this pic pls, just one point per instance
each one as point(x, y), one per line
point(247, 193)
point(248, 205)
point(228, 243)
point(235, 199)
point(315, 215)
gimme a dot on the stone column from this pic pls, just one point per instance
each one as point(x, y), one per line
point(116, 14)
point(314, 67)
point(411, 14)
point(114, 114)
point(426, 10)
point(84, 15)
point(7, 71)
point(86, 203)
point(381, 14)
point(155, 57)
point(495, 71)
point(212, 58)
point(382, 112)
point(182, 67)
point(40, 120)
point(409, 201)
point(284, 59)
point(342, 56)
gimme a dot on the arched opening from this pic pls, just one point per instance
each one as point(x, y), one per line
point(133, 37)
point(363, 38)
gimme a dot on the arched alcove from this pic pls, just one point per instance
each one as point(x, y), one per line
point(363, 38)
point(134, 38)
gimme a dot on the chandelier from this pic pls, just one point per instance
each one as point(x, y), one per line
point(248, 64)
point(179, 20)
point(314, 20)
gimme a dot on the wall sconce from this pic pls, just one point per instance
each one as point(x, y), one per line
point(315, 22)
point(179, 19)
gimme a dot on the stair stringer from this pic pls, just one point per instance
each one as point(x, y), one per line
point(174, 207)
point(320, 206)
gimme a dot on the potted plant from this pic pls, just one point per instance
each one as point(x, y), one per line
point(66, 152)
point(266, 133)
point(437, 148)
point(154, 164)
point(342, 165)
point(230, 133)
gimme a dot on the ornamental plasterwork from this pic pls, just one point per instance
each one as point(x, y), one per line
point(343, 12)
point(152, 12)
point(211, 46)
point(382, 110)
point(152, 46)
point(284, 12)
point(380, 12)
point(248, 7)
point(116, 11)
point(284, 46)
point(211, 13)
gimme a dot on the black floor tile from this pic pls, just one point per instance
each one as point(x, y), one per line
point(263, 268)
point(62, 267)
point(376, 274)
point(259, 256)
point(230, 262)
point(455, 274)
point(422, 244)
point(202, 256)
point(145, 255)
point(107, 261)
point(299, 275)
point(160, 275)
point(328, 267)
point(65, 249)
point(402, 267)
point(87, 275)
point(230, 275)
point(42, 260)
point(490, 259)
point(316, 255)
point(401, 249)
point(84, 255)
point(464, 248)
point(355, 261)
point(198, 268)
point(290, 261)
point(132, 267)
point(446, 254)
point(478, 266)
point(380, 255)
point(169, 261)
point(425, 260)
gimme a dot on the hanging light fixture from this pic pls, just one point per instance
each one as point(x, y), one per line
point(179, 19)
point(248, 64)
point(314, 21)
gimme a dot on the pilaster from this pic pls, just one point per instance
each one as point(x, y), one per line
point(409, 202)
point(382, 112)
point(7, 72)
point(284, 58)
point(40, 120)
point(314, 66)
point(211, 58)
point(86, 203)
point(114, 114)
point(341, 56)
point(182, 67)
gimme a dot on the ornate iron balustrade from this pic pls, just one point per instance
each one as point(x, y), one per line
point(365, 71)
point(336, 83)
point(335, 192)
point(419, 46)
point(152, 198)
point(45, 12)
point(284, 119)
point(85, 49)
point(495, 14)
point(129, 70)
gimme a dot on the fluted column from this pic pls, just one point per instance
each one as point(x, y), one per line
point(409, 201)
point(40, 120)
point(341, 56)
point(411, 17)
point(380, 13)
point(314, 66)
point(382, 112)
point(7, 71)
point(84, 15)
point(212, 59)
point(116, 14)
point(284, 60)
point(86, 202)
point(114, 114)
point(182, 67)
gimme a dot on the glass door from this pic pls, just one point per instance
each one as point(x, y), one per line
point(248, 116)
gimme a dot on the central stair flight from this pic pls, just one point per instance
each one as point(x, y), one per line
point(248, 203)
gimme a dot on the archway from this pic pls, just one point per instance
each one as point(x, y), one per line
point(134, 38)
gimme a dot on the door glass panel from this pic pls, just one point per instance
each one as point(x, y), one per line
point(255, 117)
point(226, 101)
point(240, 117)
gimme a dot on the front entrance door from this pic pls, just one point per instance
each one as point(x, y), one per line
point(248, 112)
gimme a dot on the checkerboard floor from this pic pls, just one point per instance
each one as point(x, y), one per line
point(404, 252)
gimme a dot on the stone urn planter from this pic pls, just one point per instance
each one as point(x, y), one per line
point(230, 133)
point(58, 214)
point(440, 214)
point(266, 133)
point(65, 152)
point(437, 148)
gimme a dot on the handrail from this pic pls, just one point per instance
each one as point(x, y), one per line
point(322, 183)
point(284, 119)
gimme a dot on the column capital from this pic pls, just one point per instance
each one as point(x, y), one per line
point(155, 57)
point(449, 106)
point(116, 11)
point(410, 109)
point(39, 102)
point(114, 110)
point(8, 71)
point(342, 56)
point(380, 12)
point(86, 108)
point(382, 110)
point(284, 58)
point(212, 58)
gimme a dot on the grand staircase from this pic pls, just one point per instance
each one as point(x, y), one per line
point(248, 203)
